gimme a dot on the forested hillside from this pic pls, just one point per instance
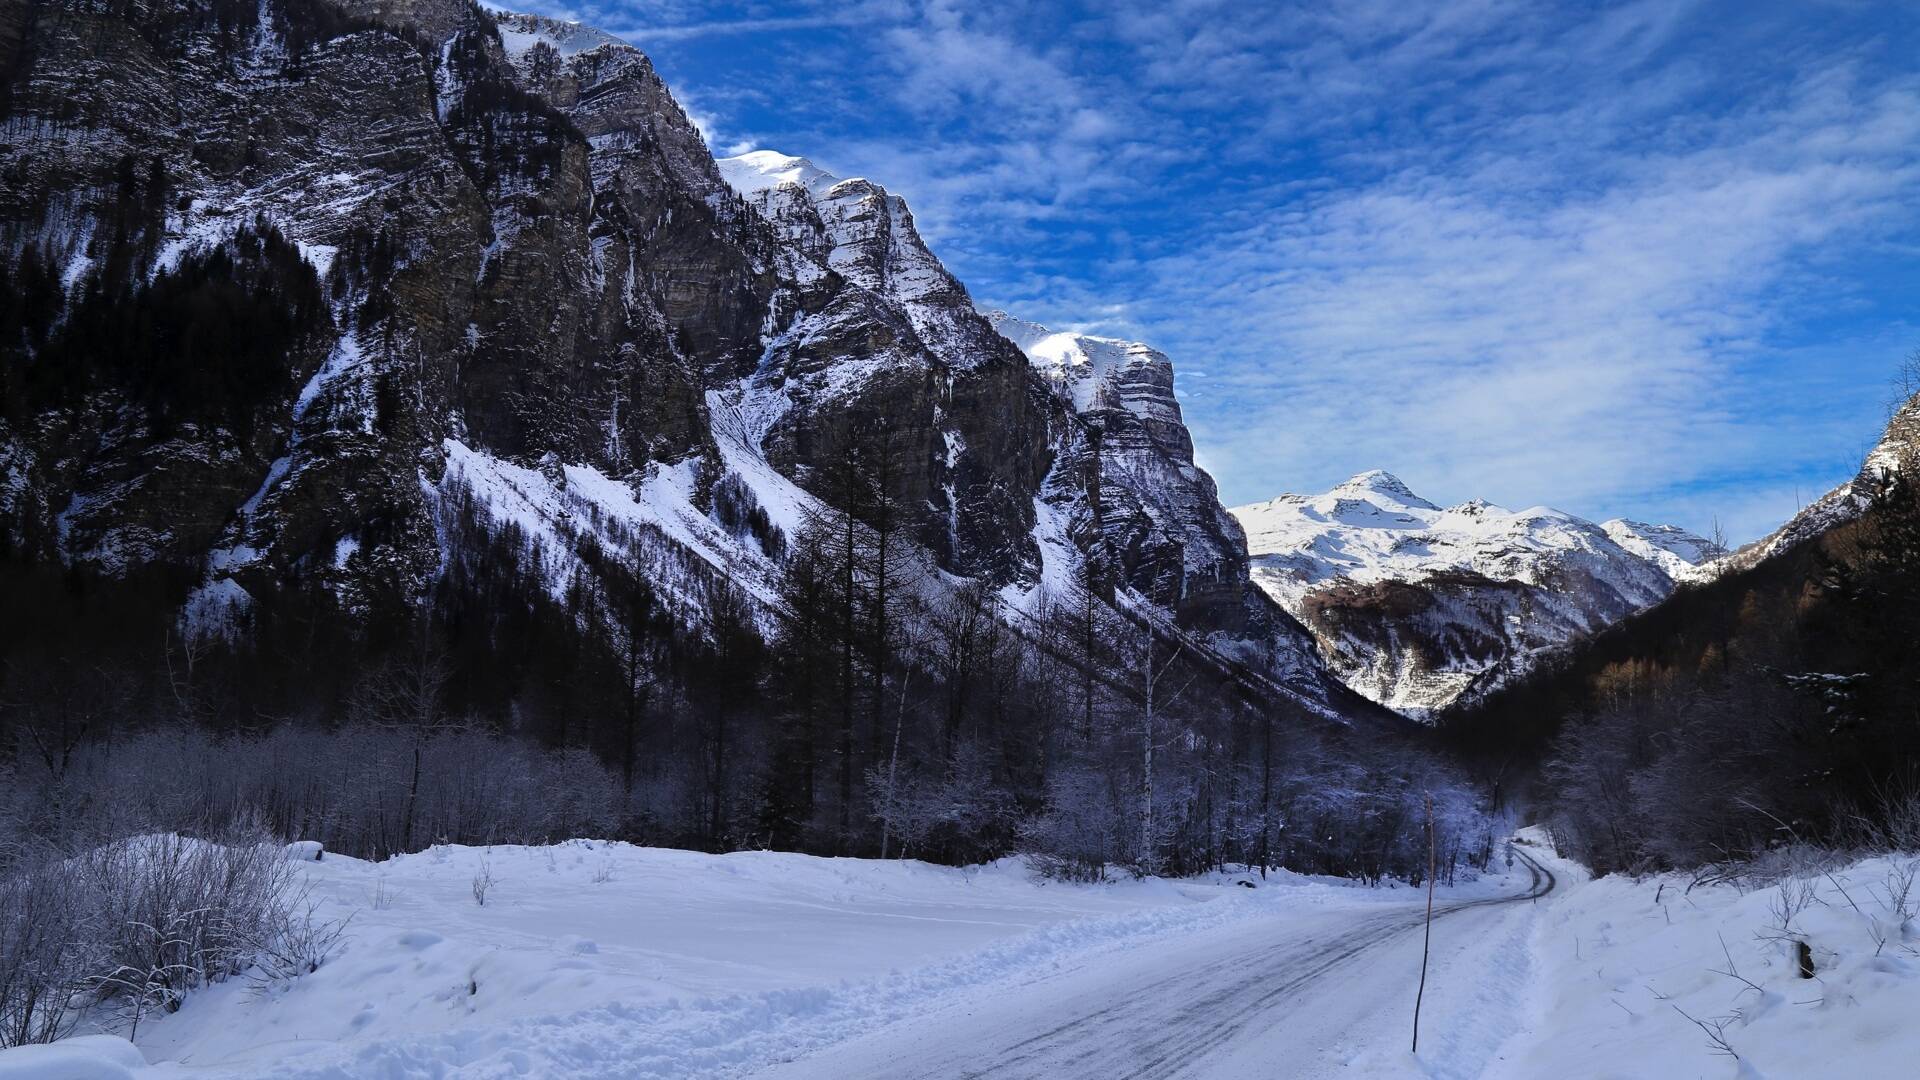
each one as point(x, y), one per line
point(1776, 703)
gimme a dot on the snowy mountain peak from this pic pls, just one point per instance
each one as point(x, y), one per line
point(1672, 548)
point(861, 231)
point(1017, 330)
point(1169, 538)
point(1097, 372)
point(1415, 605)
point(758, 170)
point(1383, 483)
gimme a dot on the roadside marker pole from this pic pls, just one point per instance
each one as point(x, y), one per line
point(1426, 949)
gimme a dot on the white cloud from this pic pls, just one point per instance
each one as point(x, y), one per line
point(1567, 346)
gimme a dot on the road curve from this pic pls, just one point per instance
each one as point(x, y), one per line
point(1280, 997)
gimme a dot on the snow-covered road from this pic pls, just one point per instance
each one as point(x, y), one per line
point(599, 961)
point(608, 961)
point(1300, 995)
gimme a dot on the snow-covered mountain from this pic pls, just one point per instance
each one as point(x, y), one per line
point(1159, 513)
point(1122, 492)
point(530, 297)
point(1675, 550)
point(1098, 372)
point(1417, 606)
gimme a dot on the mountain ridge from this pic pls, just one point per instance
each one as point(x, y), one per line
point(1420, 607)
point(1123, 484)
point(548, 306)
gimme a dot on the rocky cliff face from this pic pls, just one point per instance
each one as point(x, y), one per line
point(1421, 608)
point(527, 249)
point(487, 261)
point(903, 361)
point(1159, 514)
point(1122, 496)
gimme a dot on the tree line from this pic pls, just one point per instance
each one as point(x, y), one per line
point(872, 706)
point(1774, 706)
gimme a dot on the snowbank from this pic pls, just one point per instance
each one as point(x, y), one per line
point(1653, 978)
point(89, 1057)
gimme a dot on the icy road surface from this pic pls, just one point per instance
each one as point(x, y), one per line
point(1300, 994)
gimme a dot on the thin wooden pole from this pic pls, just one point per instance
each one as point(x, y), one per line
point(1426, 949)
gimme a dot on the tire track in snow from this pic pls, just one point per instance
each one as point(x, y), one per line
point(1174, 1023)
point(1183, 1048)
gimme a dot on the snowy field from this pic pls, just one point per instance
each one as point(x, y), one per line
point(591, 959)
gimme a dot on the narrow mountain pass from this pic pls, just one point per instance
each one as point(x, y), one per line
point(1302, 994)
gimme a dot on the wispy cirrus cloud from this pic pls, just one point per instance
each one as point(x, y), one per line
point(1650, 259)
point(1591, 346)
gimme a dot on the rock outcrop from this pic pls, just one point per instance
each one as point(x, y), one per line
point(1846, 502)
point(1159, 514)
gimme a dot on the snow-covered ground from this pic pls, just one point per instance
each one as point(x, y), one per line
point(1624, 969)
point(591, 959)
point(1299, 991)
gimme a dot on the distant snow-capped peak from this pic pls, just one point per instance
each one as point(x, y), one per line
point(1416, 605)
point(1669, 547)
point(1383, 483)
point(1373, 527)
point(758, 170)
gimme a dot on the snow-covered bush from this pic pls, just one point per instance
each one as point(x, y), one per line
point(958, 807)
point(293, 940)
point(44, 958)
point(343, 789)
point(172, 913)
point(134, 925)
point(482, 882)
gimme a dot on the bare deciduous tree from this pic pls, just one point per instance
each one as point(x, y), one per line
point(407, 696)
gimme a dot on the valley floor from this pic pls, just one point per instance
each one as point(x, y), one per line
point(606, 960)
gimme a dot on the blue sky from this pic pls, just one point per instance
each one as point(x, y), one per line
point(1644, 259)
